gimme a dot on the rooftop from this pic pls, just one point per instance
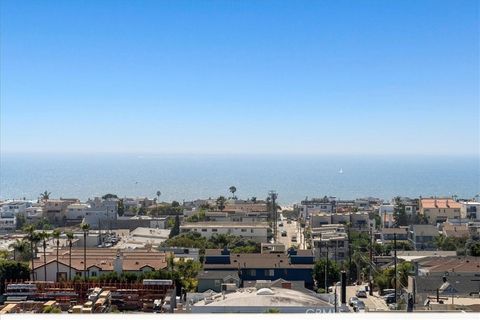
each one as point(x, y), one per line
point(104, 259)
point(266, 297)
point(440, 204)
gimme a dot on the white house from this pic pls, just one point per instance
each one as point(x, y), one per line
point(254, 231)
point(470, 210)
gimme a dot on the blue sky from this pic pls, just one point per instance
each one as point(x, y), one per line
point(294, 77)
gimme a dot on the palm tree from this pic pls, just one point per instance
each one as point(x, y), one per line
point(19, 246)
point(45, 195)
point(44, 236)
point(233, 189)
point(56, 235)
point(32, 237)
point(85, 227)
point(158, 200)
point(70, 238)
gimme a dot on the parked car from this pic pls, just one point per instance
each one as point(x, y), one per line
point(352, 301)
point(361, 293)
point(284, 233)
point(389, 298)
point(280, 224)
point(359, 306)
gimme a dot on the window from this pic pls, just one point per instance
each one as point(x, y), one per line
point(269, 272)
point(251, 230)
point(214, 230)
point(94, 273)
point(204, 230)
point(243, 230)
point(252, 272)
point(218, 283)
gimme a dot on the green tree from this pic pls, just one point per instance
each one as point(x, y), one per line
point(70, 237)
point(221, 203)
point(44, 236)
point(56, 235)
point(45, 195)
point(33, 238)
point(233, 189)
point(21, 221)
point(187, 273)
point(85, 227)
point(176, 227)
point(333, 272)
point(121, 208)
point(399, 214)
point(109, 196)
point(20, 246)
point(12, 270)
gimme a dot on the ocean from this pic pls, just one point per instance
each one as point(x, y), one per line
point(182, 177)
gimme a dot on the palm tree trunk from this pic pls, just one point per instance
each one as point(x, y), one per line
point(70, 261)
point(33, 265)
point(85, 256)
point(58, 243)
point(45, 260)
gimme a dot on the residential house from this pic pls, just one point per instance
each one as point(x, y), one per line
point(356, 220)
point(55, 210)
point(388, 235)
point(453, 230)
point(214, 279)
point(438, 210)
point(99, 261)
point(458, 276)
point(422, 236)
point(316, 205)
point(470, 210)
point(295, 265)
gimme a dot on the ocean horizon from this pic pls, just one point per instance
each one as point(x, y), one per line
point(188, 177)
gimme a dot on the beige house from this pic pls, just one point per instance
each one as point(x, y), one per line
point(99, 261)
point(438, 210)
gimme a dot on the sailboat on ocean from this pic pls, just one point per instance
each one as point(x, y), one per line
point(340, 171)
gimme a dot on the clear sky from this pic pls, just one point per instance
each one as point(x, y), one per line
point(240, 76)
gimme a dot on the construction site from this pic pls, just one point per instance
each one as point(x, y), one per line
point(89, 297)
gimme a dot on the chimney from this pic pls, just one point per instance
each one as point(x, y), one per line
point(118, 264)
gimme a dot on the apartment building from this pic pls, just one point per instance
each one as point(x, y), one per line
point(255, 231)
point(438, 210)
point(330, 240)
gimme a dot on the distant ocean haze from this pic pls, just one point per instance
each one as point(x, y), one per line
point(187, 177)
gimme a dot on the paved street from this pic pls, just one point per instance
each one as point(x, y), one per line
point(372, 303)
point(292, 229)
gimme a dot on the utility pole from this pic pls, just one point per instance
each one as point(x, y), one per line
point(349, 256)
point(370, 289)
point(326, 269)
point(273, 197)
point(395, 262)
